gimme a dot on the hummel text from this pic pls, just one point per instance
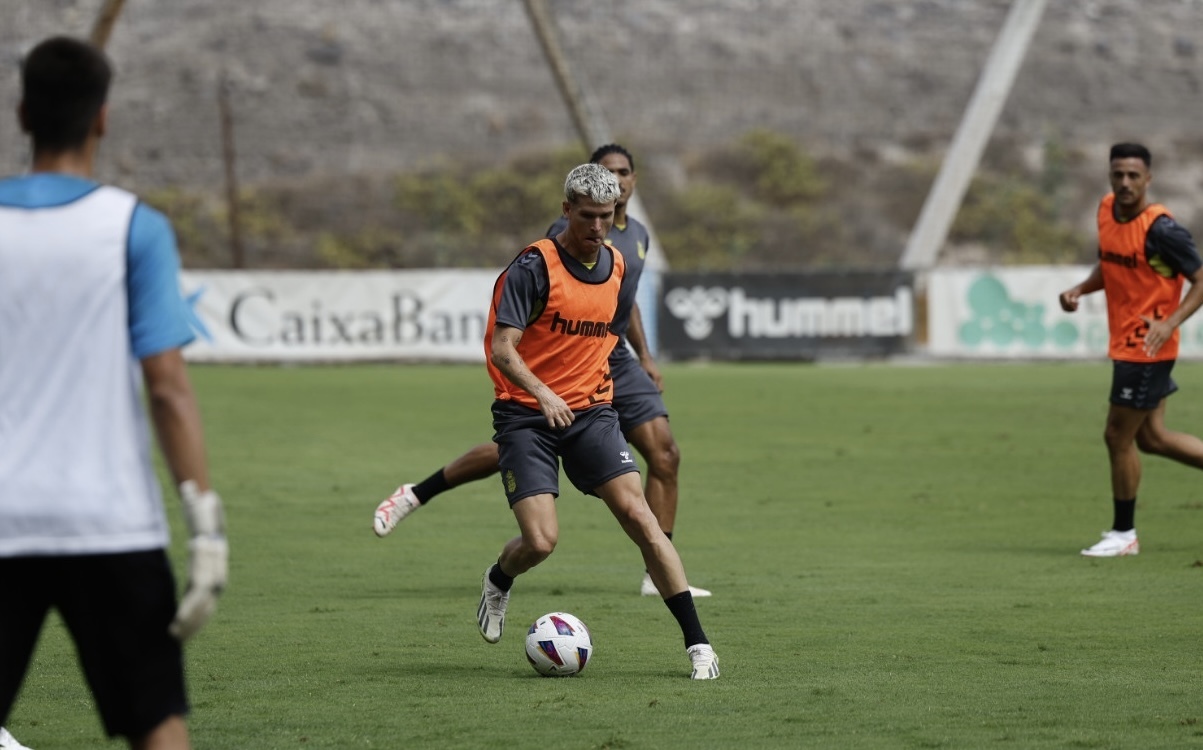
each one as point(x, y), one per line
point(594, 329)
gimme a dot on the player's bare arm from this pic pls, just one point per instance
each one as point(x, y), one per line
point(176, 417)
point(1071, 297)
point(639, 343)
point(506, 358)
point(1160, 331)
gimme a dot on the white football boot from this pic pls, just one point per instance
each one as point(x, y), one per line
point(647, 588)
point(704, 660)
point(390, 512)
point(1115, 544)
point(490, 615)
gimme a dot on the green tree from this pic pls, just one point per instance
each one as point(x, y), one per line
point(709, 228)
point(1012, 215)
point(784, 174)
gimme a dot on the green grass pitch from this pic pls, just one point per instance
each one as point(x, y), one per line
point(893, 553)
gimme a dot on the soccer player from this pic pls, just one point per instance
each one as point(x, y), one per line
point(91, 315)
point(548, 343)
point(1144, 258)
point(637, 386)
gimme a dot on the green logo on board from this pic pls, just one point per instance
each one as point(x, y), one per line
point(1001, 321)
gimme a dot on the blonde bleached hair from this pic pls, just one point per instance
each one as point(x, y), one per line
point(592, 181)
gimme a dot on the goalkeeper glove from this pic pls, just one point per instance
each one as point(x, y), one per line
point(208, 560)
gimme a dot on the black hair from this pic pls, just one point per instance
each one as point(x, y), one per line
point(1131, 151)
point(64, 83)
point(611, 148)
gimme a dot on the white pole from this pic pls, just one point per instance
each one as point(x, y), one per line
point(998, 75)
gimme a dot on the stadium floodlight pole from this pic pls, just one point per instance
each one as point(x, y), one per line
point(592, 128)
point(230, 160)
point(589, 126)
point(105, 20)
point(944, 200)
point(590, 123)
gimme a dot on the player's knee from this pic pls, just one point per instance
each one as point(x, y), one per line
point(1115, 438)
point(540, 548)
point(639, 520)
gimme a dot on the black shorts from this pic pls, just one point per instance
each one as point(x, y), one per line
point(636, 397)
point(592, 447)
point(117, 608)
point(1141, 385)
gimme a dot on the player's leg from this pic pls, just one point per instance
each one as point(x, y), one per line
point(478, 463)
point(1155, 438)
point(540, 530)
point(530, 471)
point(1135, 421)
point(1136, 390)
point(171, 734)
point(655, 442)
point(597, 462)
point(643, 418)
point(624, 497)
point(118, 609)
point(1123, 423)
point(539, 527)
point(26, 592)
point(662, 457)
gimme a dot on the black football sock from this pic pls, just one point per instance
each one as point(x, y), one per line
point(499, 578)
point(431, 487)
point(681, 605)
point(1125, 514)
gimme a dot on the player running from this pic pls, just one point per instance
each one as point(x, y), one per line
point(1144, 256)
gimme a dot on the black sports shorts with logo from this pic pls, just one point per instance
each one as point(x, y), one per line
point(1141, 385)
point(592, 448)
point(636, 397)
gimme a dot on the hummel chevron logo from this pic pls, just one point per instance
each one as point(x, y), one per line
point(698, 307)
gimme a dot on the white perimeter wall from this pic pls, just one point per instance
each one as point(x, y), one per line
point(1014, 313)
point(439, 315)
point(332, 316)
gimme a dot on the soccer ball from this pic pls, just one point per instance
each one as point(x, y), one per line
point(558, 645)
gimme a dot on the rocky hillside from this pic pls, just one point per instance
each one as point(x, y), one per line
point(321, 89)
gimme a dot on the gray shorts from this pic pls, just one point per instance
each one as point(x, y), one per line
point(592, 448)
point(636, 397)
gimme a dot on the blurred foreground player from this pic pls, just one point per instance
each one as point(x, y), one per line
point(90, 317)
